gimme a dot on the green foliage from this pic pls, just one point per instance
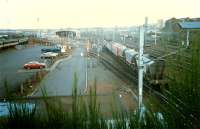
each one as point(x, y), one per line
point(182, 109)
point(20, 116)
point(85, 114)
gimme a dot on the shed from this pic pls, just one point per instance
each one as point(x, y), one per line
point(189, 26)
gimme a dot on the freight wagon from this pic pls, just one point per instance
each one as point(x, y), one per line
point(153, 69)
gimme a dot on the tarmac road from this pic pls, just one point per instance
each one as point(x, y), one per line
point(60, 81)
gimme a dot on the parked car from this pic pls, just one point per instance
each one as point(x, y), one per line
point(51, 49)
point(49, 55)
point(34, 65)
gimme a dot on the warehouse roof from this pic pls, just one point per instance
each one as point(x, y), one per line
point(190, 25)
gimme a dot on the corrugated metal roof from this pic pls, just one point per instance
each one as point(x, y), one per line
point(190, 25)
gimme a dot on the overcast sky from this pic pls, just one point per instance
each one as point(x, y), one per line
point(91, 13)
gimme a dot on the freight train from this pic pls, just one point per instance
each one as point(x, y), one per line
point(153, 69)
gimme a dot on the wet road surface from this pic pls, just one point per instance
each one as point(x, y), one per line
point(60, 81)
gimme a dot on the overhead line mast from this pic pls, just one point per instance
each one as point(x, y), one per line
point(141, 67)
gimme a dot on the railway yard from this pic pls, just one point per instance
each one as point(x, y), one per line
point(120, 68)
point(102, 67)
point(108, 68)
point(99, 64)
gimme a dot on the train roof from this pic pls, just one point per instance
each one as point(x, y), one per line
point(147, 60)
point(131, 51)
point(119, 45)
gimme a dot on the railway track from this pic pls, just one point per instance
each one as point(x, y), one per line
point(125, 74)
point(167, 52)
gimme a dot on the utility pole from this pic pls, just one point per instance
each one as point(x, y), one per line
point(113, 35)
point(98, 49)
point(145, 29)
point(188, 43)
point(124, 39)
point(141, 67)
point(155, 37)
point(38, 20)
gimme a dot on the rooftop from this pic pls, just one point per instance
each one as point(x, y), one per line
point(190, 25)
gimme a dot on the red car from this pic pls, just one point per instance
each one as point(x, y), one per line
point(34, 65)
